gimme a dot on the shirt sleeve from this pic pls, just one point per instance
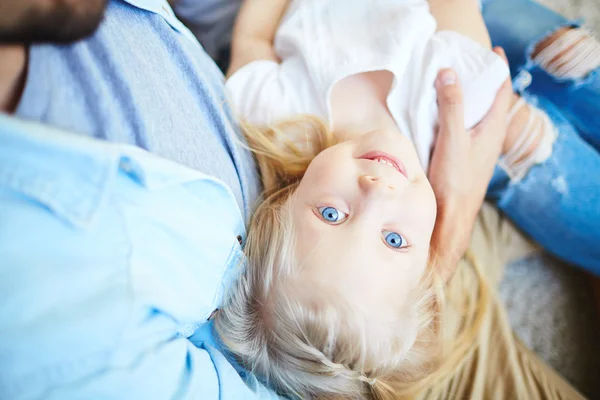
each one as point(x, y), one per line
point(265, 92)
point(481, 73)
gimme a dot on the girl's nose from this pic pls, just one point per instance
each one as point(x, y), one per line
point(371, 184)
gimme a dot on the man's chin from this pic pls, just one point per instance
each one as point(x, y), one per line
point(65, 22)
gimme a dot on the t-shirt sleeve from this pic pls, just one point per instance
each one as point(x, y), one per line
point(481, 73)
point(265, 92)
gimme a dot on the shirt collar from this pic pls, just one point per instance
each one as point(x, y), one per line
point(164, 9)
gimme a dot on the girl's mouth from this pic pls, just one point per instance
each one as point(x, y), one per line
point(387, 159)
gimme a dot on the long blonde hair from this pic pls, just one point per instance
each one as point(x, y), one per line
point(318, 346)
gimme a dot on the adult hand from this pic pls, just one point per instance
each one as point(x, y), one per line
point(461, 167)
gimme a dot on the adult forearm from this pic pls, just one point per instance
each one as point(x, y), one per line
point(259, 19)
point(254, 32)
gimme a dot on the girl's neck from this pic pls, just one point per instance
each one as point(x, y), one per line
point(359, 104)
point(13, 70)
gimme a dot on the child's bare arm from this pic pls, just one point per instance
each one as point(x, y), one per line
point(254, 32)
point(462, 16)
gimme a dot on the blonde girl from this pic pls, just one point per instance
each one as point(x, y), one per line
point(342, 295)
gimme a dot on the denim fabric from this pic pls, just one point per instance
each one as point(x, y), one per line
point(558, 202)
point(111, 261)
point(578, 99)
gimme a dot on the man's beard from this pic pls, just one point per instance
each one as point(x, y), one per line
point(65, 21)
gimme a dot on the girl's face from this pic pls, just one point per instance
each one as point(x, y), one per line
point(364, 213)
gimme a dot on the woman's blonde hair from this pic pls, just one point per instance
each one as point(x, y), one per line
point(308, 345)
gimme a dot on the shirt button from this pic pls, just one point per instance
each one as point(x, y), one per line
point(239, 239)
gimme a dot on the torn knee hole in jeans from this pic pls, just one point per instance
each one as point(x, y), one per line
point(532, 146)
point(569, 53)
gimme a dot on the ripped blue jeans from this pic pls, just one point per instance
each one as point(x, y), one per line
point(557, 202)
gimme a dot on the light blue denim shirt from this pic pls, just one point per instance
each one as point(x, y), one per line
point(111, 261)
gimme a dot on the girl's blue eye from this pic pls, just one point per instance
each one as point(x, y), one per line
point(332, 214)
point(393, 240)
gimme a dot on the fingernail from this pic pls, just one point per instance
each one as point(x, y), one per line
point(448, 77)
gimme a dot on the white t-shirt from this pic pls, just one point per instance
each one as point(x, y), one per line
point(321, 42)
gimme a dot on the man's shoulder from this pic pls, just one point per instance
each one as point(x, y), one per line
point(142, 73)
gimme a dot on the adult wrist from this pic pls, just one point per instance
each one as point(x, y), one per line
point(451, 237)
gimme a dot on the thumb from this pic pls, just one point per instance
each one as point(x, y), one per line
point(450, 103)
